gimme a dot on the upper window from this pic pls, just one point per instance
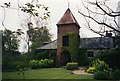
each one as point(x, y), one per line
point(65, 41)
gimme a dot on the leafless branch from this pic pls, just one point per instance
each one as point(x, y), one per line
point(100, 23)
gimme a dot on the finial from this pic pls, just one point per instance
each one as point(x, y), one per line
point(68, 4)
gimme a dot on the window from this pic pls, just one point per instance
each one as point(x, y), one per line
point(90, 53)
point(65, 41)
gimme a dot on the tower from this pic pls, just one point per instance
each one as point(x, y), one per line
point(66, 24)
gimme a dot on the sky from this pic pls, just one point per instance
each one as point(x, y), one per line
point(56, 7)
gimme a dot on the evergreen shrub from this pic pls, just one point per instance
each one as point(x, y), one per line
point(100, 75)
point(72, 66)
point(43, 63)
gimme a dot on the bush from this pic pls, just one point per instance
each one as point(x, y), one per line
point(34, 64)
point(91, 70)
point(111, 57)
point(82, 58)
point(72, 66)
point(42, 55)
point(46, 63)
point(115, 75)
point(101, 75)
point(100, 65)
point(43, 63)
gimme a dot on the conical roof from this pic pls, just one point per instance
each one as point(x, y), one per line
point(67, 18)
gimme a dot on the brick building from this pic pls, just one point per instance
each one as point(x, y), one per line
point(66, 24)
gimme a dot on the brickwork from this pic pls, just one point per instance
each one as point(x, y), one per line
point(63, 28)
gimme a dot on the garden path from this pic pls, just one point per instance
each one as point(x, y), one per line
point(80, 71)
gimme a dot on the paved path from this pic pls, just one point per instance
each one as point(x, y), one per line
point(80, 71)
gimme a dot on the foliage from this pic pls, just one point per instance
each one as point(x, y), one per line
point(10, 41)
point(97, 66)
point(72, 65)
point(73, 45)
point(82, 58)
point(100, 75)
point(11, 61)
point(100, 65)
point(91, 70)
point(37, 32)
point(42, 55)
point(33, 64)
point(115, 75)
point(111, 57)
point(46, 63)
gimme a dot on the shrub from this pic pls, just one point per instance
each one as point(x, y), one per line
point(111, 57)
point(101, 75)
point(34, 64)
point(43, 63)
point(100, 65)
point(115, 75)
point(72, 66)
point(46, 63)
point(91, 70)
point(42, 55)
point(82, 58)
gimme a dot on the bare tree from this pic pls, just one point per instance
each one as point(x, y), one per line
point(100, 13)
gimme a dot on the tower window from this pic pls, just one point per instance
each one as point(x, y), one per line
point(65, 41)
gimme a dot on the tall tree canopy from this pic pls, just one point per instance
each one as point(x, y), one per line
point(34, 24)
point(10, 42)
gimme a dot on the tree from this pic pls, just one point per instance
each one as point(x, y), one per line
point(10, 45)
point(100, 13)
point(36, 17)
point(37, 32)
point(10, 42)
point(106, 18)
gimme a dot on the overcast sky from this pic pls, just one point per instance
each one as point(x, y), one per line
point(56, 8)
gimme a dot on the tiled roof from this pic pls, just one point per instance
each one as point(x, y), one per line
point(90, 43)
point(97, 42)
point(51, 45)
point(67, 18)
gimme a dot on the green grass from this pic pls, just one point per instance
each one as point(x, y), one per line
point(50, 73)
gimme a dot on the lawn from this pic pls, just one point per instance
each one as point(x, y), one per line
point(48, 73)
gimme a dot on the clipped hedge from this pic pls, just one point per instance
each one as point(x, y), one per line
point(72, 66)
point(101, 75)
point(43, 63)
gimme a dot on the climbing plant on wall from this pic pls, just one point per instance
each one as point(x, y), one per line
point(73, 47)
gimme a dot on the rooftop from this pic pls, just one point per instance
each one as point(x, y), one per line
point(67, 18)
point(89, 43)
